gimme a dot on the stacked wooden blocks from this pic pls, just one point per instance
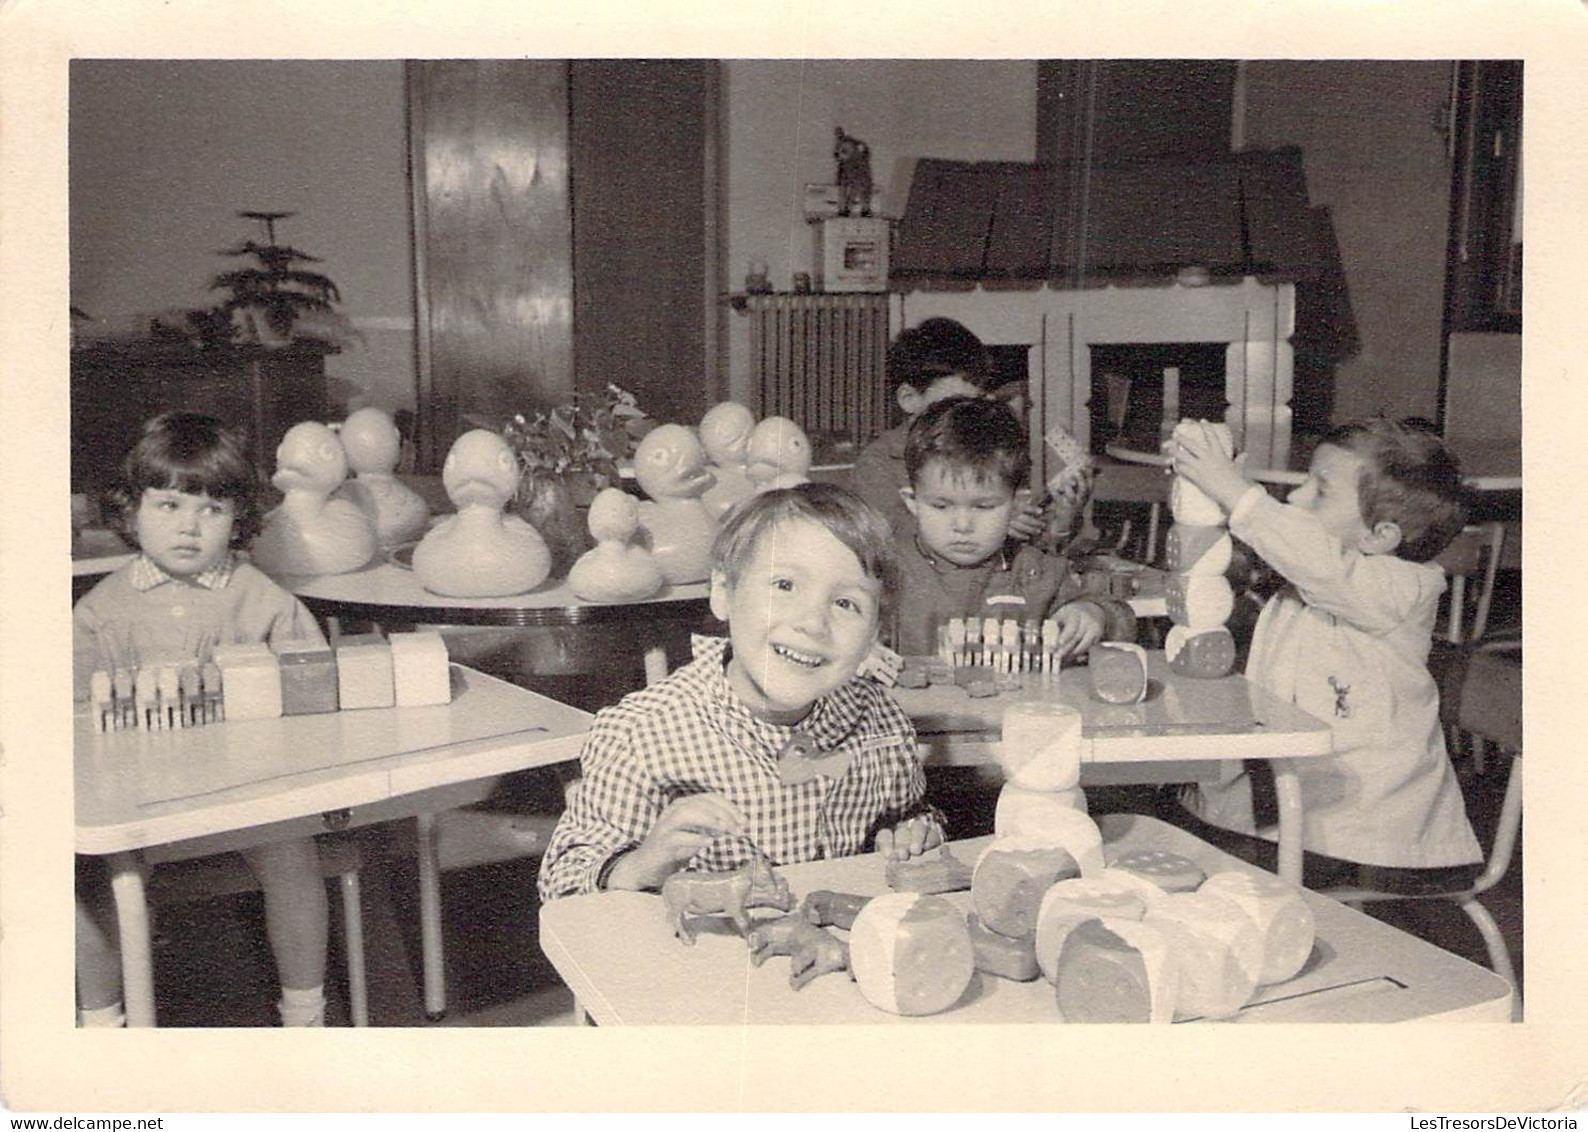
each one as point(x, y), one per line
point(1197, 552)
point(254, 681)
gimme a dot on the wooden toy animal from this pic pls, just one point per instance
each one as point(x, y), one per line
point(812, 952)
point(480, 551)
point(312, 533)
point(730, 894)
point(854, 173)
point(373, 446)
point(670, 465)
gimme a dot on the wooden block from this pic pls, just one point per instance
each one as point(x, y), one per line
point(308, 677)
point(1119, 672)
point(419, 669)
point(1217, 949)
point(1014, 959)
point(1116, 970)
point(942, 872)
point(1011, 877)
point(1283, 920)
point(250, 682)
point(1204, 550)
point(1022, 811)
point(1204, 653)
point(1169, 871)
point(1198, 602)
point(832, 909)
point(1040, 748)
point(911, 954)
point(1070, 903)
point(364, 676)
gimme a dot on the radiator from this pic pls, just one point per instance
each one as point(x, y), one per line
point(819, 360)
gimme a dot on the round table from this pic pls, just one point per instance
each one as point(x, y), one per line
point(385, 592)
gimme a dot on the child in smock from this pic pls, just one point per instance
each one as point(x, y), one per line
point(1347, 639)
point(187, 498)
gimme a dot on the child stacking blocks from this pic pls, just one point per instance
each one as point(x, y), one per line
point(308, 678)
point(419, 669)
point(364, 672)
point(1198, 551)
point(250, 681)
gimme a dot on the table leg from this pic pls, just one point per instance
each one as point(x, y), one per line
point(434, 959)
point(655, 664)
point(132, 921)
point(1287, 789)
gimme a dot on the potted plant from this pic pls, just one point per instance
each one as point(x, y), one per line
point(566, 456)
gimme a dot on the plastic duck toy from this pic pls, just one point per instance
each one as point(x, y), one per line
point(670, 465)
point(373, 444)
point(725, 433)
point(312, 533)
point(480, 551)
point(614, 569)
point(780, 455)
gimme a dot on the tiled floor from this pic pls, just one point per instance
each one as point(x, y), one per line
point(212, 967)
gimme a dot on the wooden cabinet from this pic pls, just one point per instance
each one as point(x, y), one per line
point(116, 387)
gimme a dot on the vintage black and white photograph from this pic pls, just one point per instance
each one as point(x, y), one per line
point(869, 541)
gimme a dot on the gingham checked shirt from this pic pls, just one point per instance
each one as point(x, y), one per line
point(692, 734)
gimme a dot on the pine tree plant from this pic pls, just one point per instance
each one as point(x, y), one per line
point(266, 302)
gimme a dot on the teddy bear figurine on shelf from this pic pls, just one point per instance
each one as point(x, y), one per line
point(311, 532)
point(373, 446)
point(615, 570)
point(481, 551)
point(854, 173)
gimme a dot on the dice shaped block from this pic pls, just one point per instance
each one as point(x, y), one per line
point(911, 954)
point(1012, 876)
point(1116, 970)
point(1013, 959)
point(1198, 602)
point(1070, 903)
point(1119, 672)
point(1283, 919)
point(1203, 551)
point(1171, 872)
point(1192, 506)
point(1218, 950)
point(1041, 745)
point(250, 682)
point(364, 677)
point(419, 669)
point(308, 677)
point(1205, 653)
point(1033, 812)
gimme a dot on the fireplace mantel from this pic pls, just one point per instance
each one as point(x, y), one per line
point(1253, 320)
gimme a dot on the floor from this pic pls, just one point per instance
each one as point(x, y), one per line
point(212, 967)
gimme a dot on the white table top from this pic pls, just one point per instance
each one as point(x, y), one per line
point(137, 788)
point(615, 950)
point(1182, 719)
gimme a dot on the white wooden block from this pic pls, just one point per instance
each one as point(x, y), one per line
point(419, 669)
point(1041, 745)
point(364, 676)
point(250, 681)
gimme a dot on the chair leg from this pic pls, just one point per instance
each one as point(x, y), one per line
point(353, 941)
point(1499, 955)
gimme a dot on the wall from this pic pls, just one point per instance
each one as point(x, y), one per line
point(164, 153)
point(780, 116)
point(1374, 157)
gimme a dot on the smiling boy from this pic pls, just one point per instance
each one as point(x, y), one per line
point(767, 743)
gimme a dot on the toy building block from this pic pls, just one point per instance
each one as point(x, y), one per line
point(364, 672)
point(190, 687)
point(214, 693)
point(1070, 903)
point(914, 675)
point(148, 694)
point(1119, 672)
point(1022, 811)
point(1031, 644)
point(1040, 746)
point(832, 909)
point(1283, 920)
point(941, 873)
point(1205, 551)
point(1171, 872)
point(250, 682)
point(1012, 876)
point(420, 674)
point(1050, 647)
point(169, 686)
point(882, 665)
point(911, 954)
point(1009, 653)
point(1115, 970)
point(1204, 653)
point(1217, 949)
point(1197, 601)
point(989, 639)
point(1013, 959)
point(308, 677)
point(122, 689)
point(101, 703)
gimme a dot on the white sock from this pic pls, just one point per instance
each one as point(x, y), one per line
point(302, 1007)
point(111, 1015)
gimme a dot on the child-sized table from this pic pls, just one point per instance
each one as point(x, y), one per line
point(227, 786)
point(1182, 731)
point(617, 953)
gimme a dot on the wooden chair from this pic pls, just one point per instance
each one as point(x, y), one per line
point(180, 879)
point(1491, 708)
